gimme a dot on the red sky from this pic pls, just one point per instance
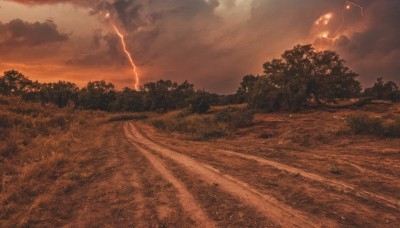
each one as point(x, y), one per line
point(211, 43)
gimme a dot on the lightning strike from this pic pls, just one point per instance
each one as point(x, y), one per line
point(129, 56)
point(350, 4)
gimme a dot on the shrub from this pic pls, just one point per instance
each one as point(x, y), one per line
point(200, 126)
point(363, 124)
point(200, 102)
point(392, 129)
point(235, 119)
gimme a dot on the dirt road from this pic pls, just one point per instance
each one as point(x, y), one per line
point(211, 185)
point(130, 175)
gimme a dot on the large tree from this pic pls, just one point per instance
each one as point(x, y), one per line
point(300, 75)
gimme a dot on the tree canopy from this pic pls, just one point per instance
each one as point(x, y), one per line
point(301, 75)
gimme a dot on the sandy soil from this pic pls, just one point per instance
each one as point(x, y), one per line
point(128, 174)
point(287, 193)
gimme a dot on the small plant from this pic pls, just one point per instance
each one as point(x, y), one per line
point(235, 119)
point(392, 129)
point(335, 170)
point(363, 124)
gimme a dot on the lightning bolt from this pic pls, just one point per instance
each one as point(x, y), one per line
point(129, 56)
point(347, 6)
point(350, 4)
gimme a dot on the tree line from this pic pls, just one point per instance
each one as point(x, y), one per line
point(302, 77)
point(158, 96)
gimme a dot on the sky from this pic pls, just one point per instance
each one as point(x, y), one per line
point(211, 43)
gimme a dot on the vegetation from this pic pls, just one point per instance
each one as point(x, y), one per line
point(383, 91)
point(206, 126)
point(365, 125)
point(301, 75)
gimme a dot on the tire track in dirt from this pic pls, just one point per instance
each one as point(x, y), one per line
point(186, 199)
point(337, 184)
point(133, 178)
point(387, 201)
point(279, 213)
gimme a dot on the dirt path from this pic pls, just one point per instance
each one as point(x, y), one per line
point(185, 198)
point(388, 201)
point(278, 212)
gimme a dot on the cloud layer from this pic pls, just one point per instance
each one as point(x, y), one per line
point(213, 43)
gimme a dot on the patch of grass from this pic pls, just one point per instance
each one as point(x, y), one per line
point(203, 126)
point(235, 118)
point(365, 125)
point(392, 129)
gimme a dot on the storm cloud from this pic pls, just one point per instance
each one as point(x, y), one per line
point(213, 43)
point(18, 33)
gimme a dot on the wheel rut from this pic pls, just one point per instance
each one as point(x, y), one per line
point(275, 210)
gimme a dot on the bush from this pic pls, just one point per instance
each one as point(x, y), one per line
point(200, 102)
point(363, 124)
point(202, 127)
point(235, 119)
point(392, 129)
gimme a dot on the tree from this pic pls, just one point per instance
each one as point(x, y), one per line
point(246, 86)
point(158, 95)
point(384, 91)
point(60, 93)
point(15, 83)
point(97, 95)
point(299, 76)
point(181, 93)
point(129, 100)
point(200, 102)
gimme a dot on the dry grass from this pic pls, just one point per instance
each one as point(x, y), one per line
point(367, 125)
point(35, 154)
point(217, 123)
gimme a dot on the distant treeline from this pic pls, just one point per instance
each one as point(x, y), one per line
point(159, 96)
point(300, 78)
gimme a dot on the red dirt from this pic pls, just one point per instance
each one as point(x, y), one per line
point(128, 174)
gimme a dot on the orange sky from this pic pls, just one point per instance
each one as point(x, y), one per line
point(211, 43)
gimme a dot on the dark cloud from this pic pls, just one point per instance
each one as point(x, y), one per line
point(375, 50)
point(107, 52)
point(18, 33)
point(213, 43)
